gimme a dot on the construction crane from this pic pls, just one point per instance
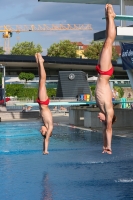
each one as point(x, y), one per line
point(9, 29)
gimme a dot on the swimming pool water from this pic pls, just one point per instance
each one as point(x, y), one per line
point(75, 169)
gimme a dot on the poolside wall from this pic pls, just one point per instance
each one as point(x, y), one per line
point(6, 116)
point(2, 108)
point(87, 117)
point(76, 115)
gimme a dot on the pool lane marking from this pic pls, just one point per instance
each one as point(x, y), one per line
point(85, 129)
point(73, 126)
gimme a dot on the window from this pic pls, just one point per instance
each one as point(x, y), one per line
point(80, 47)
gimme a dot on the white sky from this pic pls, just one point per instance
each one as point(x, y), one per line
point(27, 12)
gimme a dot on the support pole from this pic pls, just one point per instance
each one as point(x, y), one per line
point(123, 23)
point(122, 11)
point(3, 82)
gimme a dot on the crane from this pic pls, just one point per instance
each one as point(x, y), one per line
point(9, 29)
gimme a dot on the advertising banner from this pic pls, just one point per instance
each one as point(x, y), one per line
point(127, 56)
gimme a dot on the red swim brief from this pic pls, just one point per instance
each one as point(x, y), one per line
point(43, 102)
point(109, 72)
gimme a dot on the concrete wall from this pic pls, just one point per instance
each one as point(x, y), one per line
point(5, 116)
point(90, 118)
point(2, 108)
point(124, 118)
point(87, 117)
point(76, 115)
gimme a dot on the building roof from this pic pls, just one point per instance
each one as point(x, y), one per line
point(79, 44)
point(85, 46)
point(16, 64)
point(18, 59)
point(114, 2)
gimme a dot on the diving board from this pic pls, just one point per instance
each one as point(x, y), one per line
point(76, 103)
point(123, 17)
point(61, 103)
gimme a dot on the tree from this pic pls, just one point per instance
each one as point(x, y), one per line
point(93, 87)
point(26, 76)
point(26, 48)
point(64, 48)
point(120, 91)
point(94, 49)
point(2, 51)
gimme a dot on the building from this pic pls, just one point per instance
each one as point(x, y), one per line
point(16, 64)
point(82, 47)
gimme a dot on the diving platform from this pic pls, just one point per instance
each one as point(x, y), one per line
point(123, 34)
point(123, 17)
point(71, 103)
point(59, 103)
point(113, 2)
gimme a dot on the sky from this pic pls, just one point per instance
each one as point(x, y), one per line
point(28, 12)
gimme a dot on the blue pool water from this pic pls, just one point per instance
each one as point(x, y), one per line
point(75, 169)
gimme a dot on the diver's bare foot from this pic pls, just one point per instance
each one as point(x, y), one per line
point(45, 152)
point(36, 57)
point(110, 11)
point(108, 151)
point(106, 16)
point(104, 150)
point(40, 58)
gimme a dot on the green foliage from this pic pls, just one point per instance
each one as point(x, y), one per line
point(33, 92)
point(94, 49)
point(13, 89)
point(26, 48)
point(51, 92)
point(20, 91)
point(2, 51)
point(120, 91)
point(112, 77)
point(64, 48)
point(26, 76)
point(0, 78)
point(28, 93)
point(114, 54)
point(93, 87)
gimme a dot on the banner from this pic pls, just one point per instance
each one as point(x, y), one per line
point(127, 56)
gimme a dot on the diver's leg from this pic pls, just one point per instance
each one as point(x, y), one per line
point(104, 139)
point(106, 53)
point(42, 92)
